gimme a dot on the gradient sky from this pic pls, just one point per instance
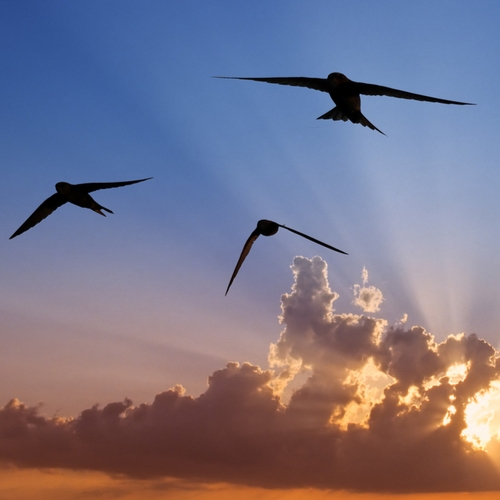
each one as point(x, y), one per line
point(94, 310)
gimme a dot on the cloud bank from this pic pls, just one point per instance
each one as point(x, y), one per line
point(382, 409)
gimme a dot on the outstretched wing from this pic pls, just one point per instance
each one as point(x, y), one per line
point(43, 211)
point(244, 253)
point(313, 239)
point(370, 89)
point(295, 81)
point(95, 186)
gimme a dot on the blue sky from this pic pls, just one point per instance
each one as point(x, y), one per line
point(97, 309)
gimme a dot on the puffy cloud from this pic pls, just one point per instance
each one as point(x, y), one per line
point(382, 409)
point(404, 319)
point(368, 298)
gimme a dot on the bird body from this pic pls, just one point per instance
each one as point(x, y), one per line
point(345, 93)
point(269, 228)
point(77, 194)
point(80, 197)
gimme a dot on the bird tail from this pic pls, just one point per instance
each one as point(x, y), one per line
point(338, 114)
point(366, 123)
point(333, 114)
point(98, 209)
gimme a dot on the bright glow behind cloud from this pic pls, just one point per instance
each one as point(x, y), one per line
point(382, 409)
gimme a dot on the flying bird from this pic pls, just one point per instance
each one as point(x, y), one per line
point(78, 194)
point(268, 228)
point(345, 94)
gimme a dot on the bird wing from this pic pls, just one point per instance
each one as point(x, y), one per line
point(43, 211)
point(295, 81)
point(95, 186)
point(370, 89)
point(244, 253)
point(313, 239)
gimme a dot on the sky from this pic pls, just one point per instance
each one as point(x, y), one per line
point(127, 373)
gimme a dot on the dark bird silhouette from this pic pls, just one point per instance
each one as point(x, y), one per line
point(345, 94)
point(78, 194)
point(268, 228)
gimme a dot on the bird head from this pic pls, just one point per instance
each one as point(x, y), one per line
point(338, 78)
point(267, 227)
point(63, 187)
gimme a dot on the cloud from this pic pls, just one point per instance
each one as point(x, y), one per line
point(382, 409)
point(368, 298)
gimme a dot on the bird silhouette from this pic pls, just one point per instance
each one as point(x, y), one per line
point(268, 228)
point(78, 194)
point(345, 94)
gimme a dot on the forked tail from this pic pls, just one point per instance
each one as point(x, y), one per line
point(97, 208)
point(337, 114)
point(334, 114)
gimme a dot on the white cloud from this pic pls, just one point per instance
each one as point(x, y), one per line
point(368, 298)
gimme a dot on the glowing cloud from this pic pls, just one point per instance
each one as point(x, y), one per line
point(383, 409)
point(368, 298)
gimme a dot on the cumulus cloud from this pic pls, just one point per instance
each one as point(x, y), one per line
point(383, 409)
point(403, 319)
point(368, 298)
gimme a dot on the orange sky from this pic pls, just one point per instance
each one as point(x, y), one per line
point(54, 484)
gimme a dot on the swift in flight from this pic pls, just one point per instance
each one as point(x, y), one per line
point(78, 194)
point(345, 94)
point(268, 228)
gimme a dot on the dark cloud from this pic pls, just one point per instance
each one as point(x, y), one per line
point(399, 432)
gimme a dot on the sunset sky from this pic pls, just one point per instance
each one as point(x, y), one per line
point(127, 373)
